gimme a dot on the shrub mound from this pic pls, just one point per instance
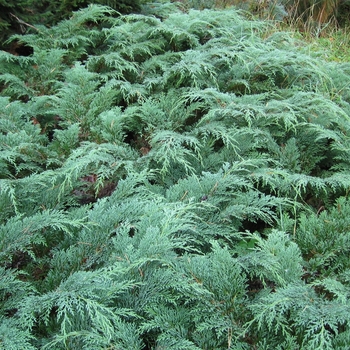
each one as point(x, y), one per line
point(173, 181)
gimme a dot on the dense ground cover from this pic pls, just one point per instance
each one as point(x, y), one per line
point(173, 180)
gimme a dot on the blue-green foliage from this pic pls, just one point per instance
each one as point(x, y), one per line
point(175, 180)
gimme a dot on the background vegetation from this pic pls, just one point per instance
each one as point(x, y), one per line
point(309, 15)
point(174, 178)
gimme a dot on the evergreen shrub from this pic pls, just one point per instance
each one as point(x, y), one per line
point(173, 180)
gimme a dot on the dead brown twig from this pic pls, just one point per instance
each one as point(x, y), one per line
point(21, 22)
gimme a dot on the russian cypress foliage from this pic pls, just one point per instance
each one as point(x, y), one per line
point(172, 181)
point(28, 16)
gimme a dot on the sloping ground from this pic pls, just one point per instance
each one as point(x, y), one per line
point(176, 181)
